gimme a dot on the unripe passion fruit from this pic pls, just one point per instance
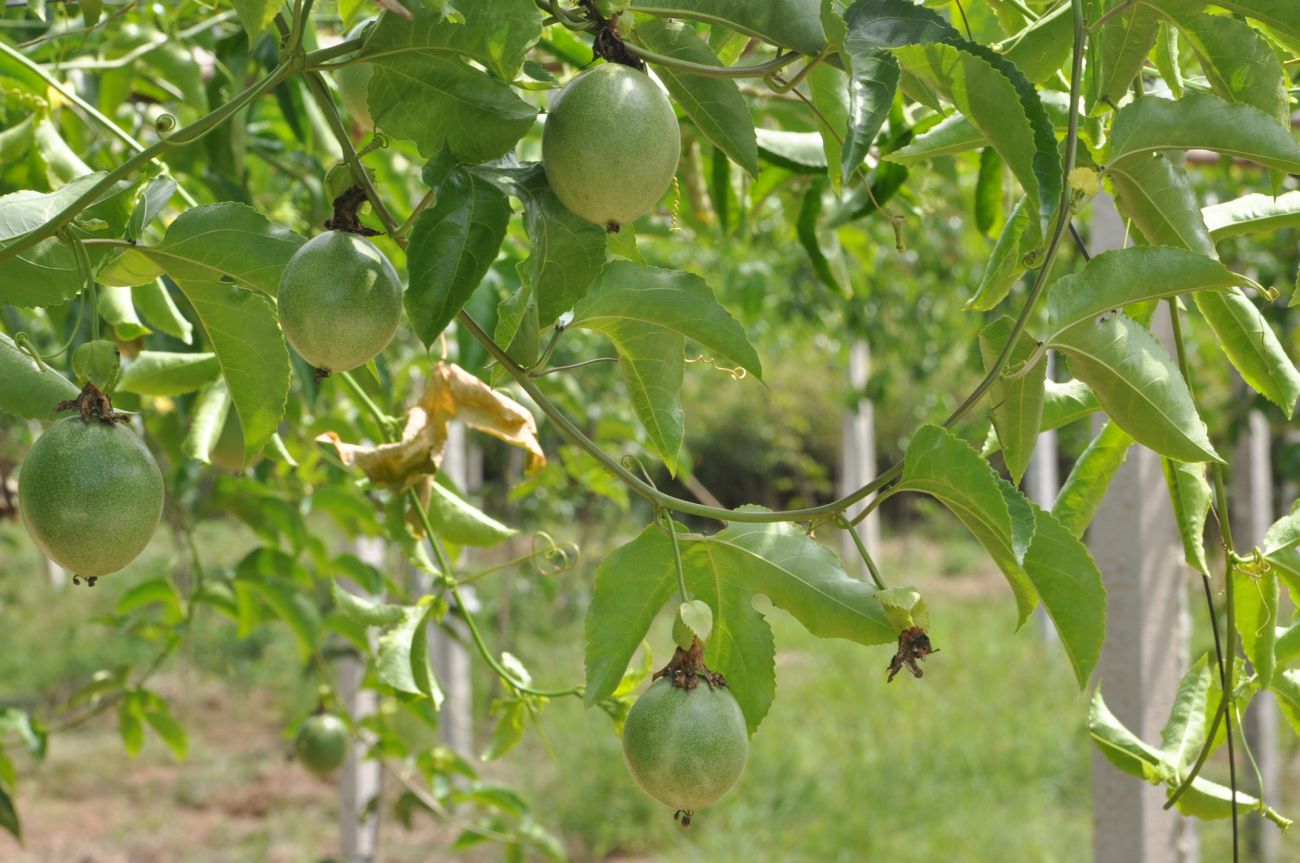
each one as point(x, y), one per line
point(90, 494)
point(610, 145)
point(322, 743)
point(685, 747)
point(340, 301)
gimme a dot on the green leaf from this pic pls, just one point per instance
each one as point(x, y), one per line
point(153, 591)
point(163, 374)
point(1190, 494)
point(806, 228)
point(153, 198)
point(697, 618)
point(648, 314)
point(1137, 384)
point(1184, 733)
point(452, 245)
point(31, 733)
point(1043, 46)
point(1280, 19)
point(1002, 105)
point(261, 576)
point(509, 729)
point(830, 97)
point(1017, 402)
point(1082, 492)
point(159, 310)
point(1252, 346)
point(988, 192)
point(1114, 279)
point(455, 520)
point(794, 24)
point(9, 816)
point(211, 410)
point(1156, 195)
point(1283, 534)
point(1256, 596)
point(1166, 58)
point(1005, 264)
point(1287, 645)
point(158, 714)
point(714, 105)
point(1117, 51)
point(364, 611)
point(1063, 403)
point(1201, 121)
point(1239, 64)
point(725, 571)
point(873, 81)
point(1122, 748)
point(567, 251)
point(118, 310)
point(403, 655)
point(943, 466)
point(47, 274)
point(130, 726)
point(798, 152)
point(423, 91)
point(1070, 586)
point(1252, 213)
point(950, 136)
point(256, 15)
point(904, 608)
point(27, 390)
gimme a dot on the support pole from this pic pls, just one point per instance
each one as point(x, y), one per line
point(1135, 542)
point(858, 451)
point(360, 780)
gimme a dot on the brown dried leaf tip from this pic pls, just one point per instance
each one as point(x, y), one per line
point(93, 404)
point(913, 646)
point(686, 669)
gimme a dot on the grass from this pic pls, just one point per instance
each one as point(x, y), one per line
point(984, 759)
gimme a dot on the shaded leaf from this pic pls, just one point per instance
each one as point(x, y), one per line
point(27, 390)
point(1189, 492)
point(165, 374)
point(1017, 410)
point(1082, 492)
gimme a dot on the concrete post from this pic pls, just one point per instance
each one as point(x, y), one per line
point(858, 450)
point(1252, 513)
point(451, 663)
point(360, 780)
point(1041, 483)
point(1135, 542)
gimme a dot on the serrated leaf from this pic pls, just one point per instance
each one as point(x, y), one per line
point(1017, 410)
point(1185, 731)
point(1279, 18)
point(1117, 51)
point(1282, 534)
point(1156, 195)
point(256, 15)
point(873, 80)
point(27, 390)
point(725, 571)
point(1043, 46)
point(451, 248)
point(1166, 59)
point(211, 410)
point(1252, 346)
point(403, 654)
point(1063, 403)
point(713, 104)
point(1239, 64)
point(1256, 596)
point(1190, 495)
point(950, 136)
point(1201, 121)
point(1138, 385)
point(1082, 492)
point(1114, 279)
point(988, 192)
point(794, 24)
point(421, 90)
point(944, 467)
point(164, 374)
point(648, 313)
point(828, 87)
point(1005, 263)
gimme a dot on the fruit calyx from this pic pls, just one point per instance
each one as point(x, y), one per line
point(345, 216)
point(685, 671)
point(92, 403)
point(608, 44)
point(913, 646)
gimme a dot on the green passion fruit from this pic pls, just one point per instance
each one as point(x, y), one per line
point(322, 743)
point(610, 145)
point(90, 494)
point(340, 301)
point(685, 747)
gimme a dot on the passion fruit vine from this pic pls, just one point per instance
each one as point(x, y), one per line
point(685, 740)
point(340, 301)
point(610, 145)
point(91, 495)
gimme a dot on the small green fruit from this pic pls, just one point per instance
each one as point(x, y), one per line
point(322, 743)
point(610, 145)
point(685, 748)
point(340, 301)
point(90, 494)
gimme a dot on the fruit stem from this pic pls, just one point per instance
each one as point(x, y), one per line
point(677, 555)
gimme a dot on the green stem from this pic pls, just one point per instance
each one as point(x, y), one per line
point(385, 421)
point(844, 524)
point(90, 110)
point(187, 135)
point(758, 70)
point(677, 558)
point(449, 580)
